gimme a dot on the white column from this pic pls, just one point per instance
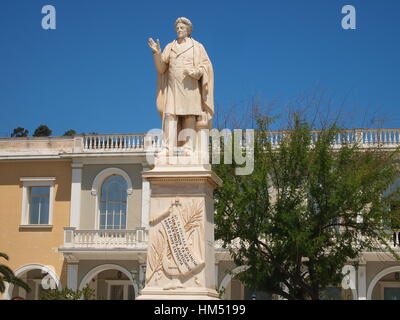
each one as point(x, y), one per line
point(21, 291)
point(142, 276)
point(76, 194)
point(72, 274)
point(362, 282)
point(216, 275)
point(145, 200)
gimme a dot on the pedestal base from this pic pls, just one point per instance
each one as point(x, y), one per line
point(180, 258)
point(178, 294)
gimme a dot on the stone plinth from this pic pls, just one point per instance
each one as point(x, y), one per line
point(180, 257)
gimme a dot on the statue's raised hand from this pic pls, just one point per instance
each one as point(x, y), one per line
point(154, 46)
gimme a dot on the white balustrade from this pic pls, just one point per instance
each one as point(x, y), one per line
point(106, 239)
point(396, 238)
point(120, 143)
point(366, 138)
point(110, 239)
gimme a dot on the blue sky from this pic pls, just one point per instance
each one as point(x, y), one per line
point(95, 72)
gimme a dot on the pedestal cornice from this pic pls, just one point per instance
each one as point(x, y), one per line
point(182, 173)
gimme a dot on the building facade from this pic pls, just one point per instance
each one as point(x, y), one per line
point(74, 212)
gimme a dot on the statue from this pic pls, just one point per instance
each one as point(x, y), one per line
point(185, 88)
point(180, 262)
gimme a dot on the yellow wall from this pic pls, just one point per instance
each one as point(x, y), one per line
point(33, 246)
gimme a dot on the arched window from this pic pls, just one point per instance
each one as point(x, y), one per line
point(113, 202)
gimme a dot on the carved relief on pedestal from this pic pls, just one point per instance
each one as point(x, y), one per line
point(176, 252)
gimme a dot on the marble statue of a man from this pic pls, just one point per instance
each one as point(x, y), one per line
point(185, 87)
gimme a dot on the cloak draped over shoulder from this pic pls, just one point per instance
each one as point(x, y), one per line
point(173, 89)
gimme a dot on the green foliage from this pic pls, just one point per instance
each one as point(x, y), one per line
point(19, 132)
point(42, 131)
point(7, 276)
point(69, 133)
point(295, 221)
point(68, 294)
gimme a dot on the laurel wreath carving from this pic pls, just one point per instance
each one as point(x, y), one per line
point(192, 216)
point(155, 254)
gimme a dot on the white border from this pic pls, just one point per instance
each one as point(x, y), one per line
point(95, 271)
point(225, 281)
point(228, 277)
point(380, 275)
point(102, 175)
point(96, 187)
point(45, 269)
point(388, 284)
point(124, 283)
point(28, 182)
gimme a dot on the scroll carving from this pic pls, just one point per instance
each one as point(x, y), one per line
point(176, 251)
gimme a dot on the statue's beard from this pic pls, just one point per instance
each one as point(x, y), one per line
point(183, 36)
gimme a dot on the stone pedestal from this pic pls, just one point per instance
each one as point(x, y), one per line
point(180, 256)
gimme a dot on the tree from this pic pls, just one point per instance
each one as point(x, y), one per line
point(19, 132)
point(42, 131)
point(69, 133)
point(306, 210)
point(7, 276)
point(68, 294)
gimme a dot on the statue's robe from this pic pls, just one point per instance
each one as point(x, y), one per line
point(180, 94)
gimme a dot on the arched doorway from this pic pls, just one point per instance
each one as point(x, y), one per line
point(385, 285)
point(38, 277)
point(111, 282)
point(338, 293)
point(232, 289)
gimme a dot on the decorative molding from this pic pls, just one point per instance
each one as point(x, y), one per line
point(37, 179)
point(36, 226)
point(192, 175)
point(111, 159)
point(101, 176)
point(141, 258)
point(362, 260)
point(70, 258)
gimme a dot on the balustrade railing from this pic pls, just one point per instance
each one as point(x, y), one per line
point(120, 143)
point(396, 238)
point(131, 239)
point(105, 239)
point(366, 138)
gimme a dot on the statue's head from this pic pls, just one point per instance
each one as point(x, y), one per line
point(183, 27)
